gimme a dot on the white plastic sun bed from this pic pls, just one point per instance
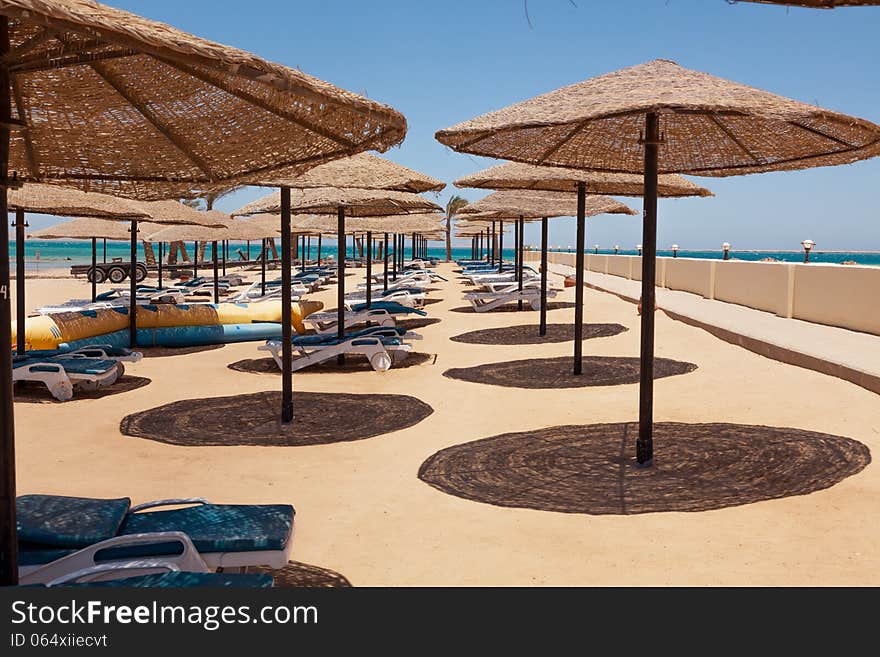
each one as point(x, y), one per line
point(485, 301)
point(383, 347)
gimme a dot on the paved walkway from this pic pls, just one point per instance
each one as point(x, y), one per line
point(846, 354)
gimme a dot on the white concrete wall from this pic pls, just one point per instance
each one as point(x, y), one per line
point(837, 295)
point(761, 285)
point(840, 296)
point(690, 275)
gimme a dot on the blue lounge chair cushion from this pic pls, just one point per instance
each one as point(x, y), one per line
point(68, 522)
point(220, 527)
point(34, 554)
point(182, 579)
point(85, 365)
point(393, 308)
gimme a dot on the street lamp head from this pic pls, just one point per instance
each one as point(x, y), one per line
point(808, 244)
point(726, 246)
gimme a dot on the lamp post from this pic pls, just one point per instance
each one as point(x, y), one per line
point(675, 250)
point(596, 249)
point(726, 248)
point(639, 248)
point(807, 244)
point(616, 249)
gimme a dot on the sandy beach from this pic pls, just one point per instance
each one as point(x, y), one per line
point(363, 512)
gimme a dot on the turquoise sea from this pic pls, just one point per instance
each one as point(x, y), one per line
point(54, 254)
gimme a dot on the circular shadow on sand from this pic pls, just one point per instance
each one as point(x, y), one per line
point(512, 308)
point(528, 334)
point(544, 373)
point(591, 469)
point(162, 352)
point(254, 419)
point(302, 575)
point(31, 392)
point(353, 363)
point(417, 323)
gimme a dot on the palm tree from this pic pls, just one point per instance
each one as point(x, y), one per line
point(453, 205)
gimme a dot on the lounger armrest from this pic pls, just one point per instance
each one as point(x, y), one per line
point(88, 574)
point(168, 502)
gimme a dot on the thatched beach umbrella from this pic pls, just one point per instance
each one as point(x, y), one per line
point(323, 200)
point(528, 204)
point(64, 202)
point(235, 229)
point(710, 126)
point(106, 100)
point(88, 228)
point(519, 176)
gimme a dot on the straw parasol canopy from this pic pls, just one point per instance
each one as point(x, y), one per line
point(71, 202)
point(817, 4)
point(236, 229)
point(88, 227)
point(364, 171)
point(114, 102)
point(327, 200)
point(512, 204)
point(516, 175)
point(711, 126)
point(174, 212)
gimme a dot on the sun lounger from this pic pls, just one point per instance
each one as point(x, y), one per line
point(254, 293)
point(486, 301)
point(382, 313)
point(114, 298)
point(412, 297)
point(62, 374)
point(174, 579)
point(382, 346)
point(101, 351)
point(51, 527)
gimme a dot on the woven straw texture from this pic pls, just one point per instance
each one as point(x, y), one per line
point(70, 202)
point(326, 200)
point(174, 212)
point(117, 103)
point(516, 175)
point(711, 127)
point(236, 229)
point(88, 227)
point(510, 204)
point(364, 171)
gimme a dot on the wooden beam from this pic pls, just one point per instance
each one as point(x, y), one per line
point(176, 140)
point(72, 60)
point(734, 138)
point(35, 41)
point(215, 80)
point(33, 163)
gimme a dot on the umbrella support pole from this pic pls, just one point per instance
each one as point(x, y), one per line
point(579, 278)
point(95, 268)
point(519, 259)
point(263, 269)
point(105, 250)
point(159, 264)
point(286, 332)
point(645, 442)
point(340, 274)
point(319, 249)
point(132, 277)
point(385, 256)
point(216, 281)
point(196, 259)
point(500, 246)
point(542, 328)
point(369, 269)
point(20, 314)
point(8, 533)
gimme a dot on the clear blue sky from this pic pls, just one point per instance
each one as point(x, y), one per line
point(445, 61)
